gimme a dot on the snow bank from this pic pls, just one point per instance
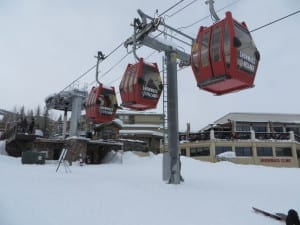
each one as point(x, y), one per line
point(226, 155)
point(2, 148)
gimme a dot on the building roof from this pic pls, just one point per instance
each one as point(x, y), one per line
point(259, 117)
point(116, 122)
point(149, 126)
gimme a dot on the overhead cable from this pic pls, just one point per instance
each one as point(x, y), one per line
point(90, 69)
point(275, 21)
point(78, 78)
point(206, 17)
point(173, 6)
point(179, 10)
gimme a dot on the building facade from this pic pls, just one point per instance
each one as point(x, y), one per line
point(250, 138)
point(142, 126)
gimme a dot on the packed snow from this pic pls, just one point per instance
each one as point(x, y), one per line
point(128, 190)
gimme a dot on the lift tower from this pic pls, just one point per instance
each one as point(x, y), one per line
point(142, 36)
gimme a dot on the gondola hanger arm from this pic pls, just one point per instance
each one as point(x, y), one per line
point(100, 57)
point(212, 10)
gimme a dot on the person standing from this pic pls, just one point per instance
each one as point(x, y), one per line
point(31, 126)
point(292, 218)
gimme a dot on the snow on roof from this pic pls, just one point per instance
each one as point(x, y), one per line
point(101, 141)
point(132, 140)
point(158, 126)
point(148, 132)
point(259, 117)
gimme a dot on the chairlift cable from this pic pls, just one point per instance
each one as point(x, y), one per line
point(181, 9)
point(78, 78)
point(93, 67)
point(170, 8)
point(275, 21)
point(204, 18)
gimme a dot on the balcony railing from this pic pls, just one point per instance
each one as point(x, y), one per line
point(276, 136)
point(239, 135)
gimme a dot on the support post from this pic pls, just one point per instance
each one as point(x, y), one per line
point(65, 123)
point(75, 116)
point(173, 141)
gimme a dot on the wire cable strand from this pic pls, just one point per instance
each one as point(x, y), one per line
point(78, 78)
point(170, 8)
point(275, 21)
point(181, 9)
point(206, 17)
point(93, 67)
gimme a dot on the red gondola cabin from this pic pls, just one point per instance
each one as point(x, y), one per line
point(224, 57)
point(141, 86)
point(101, 104)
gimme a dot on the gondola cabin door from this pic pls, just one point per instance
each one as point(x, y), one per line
point(141, 86)
point(224, 57)
point(101, 104)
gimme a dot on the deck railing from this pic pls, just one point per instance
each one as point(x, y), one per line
point(238, 135)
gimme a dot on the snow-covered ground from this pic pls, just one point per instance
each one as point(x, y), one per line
point(133, 192)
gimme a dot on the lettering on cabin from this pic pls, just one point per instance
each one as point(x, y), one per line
point(148, 92)
point(247, 62)
point(106, 110)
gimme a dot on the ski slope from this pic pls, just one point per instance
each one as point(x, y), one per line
point(133, 193)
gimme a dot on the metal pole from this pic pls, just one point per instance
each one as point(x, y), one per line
point(75, 116)
point(65, 123)
point(173, 142)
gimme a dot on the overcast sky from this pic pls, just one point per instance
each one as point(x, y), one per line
point(47, 44)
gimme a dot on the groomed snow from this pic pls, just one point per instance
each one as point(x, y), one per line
point(133, 192)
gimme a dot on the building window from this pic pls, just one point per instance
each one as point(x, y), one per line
point(278, 129)
point(294, 129)
point(221, 149)
point(243, 128)
point(124, 118)
point(199, 151)
point(283, 151)
point(298, 153)
point(264, 151)
point(131, 119)
point(243, 151)
point(259, 129)
point(183, 151)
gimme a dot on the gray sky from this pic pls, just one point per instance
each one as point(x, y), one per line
point(46, 44)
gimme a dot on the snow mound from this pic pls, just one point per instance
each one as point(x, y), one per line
point(2, 148)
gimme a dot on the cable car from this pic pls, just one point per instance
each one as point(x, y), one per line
point(101, 104)
point(224, 57)
point(141, 86)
